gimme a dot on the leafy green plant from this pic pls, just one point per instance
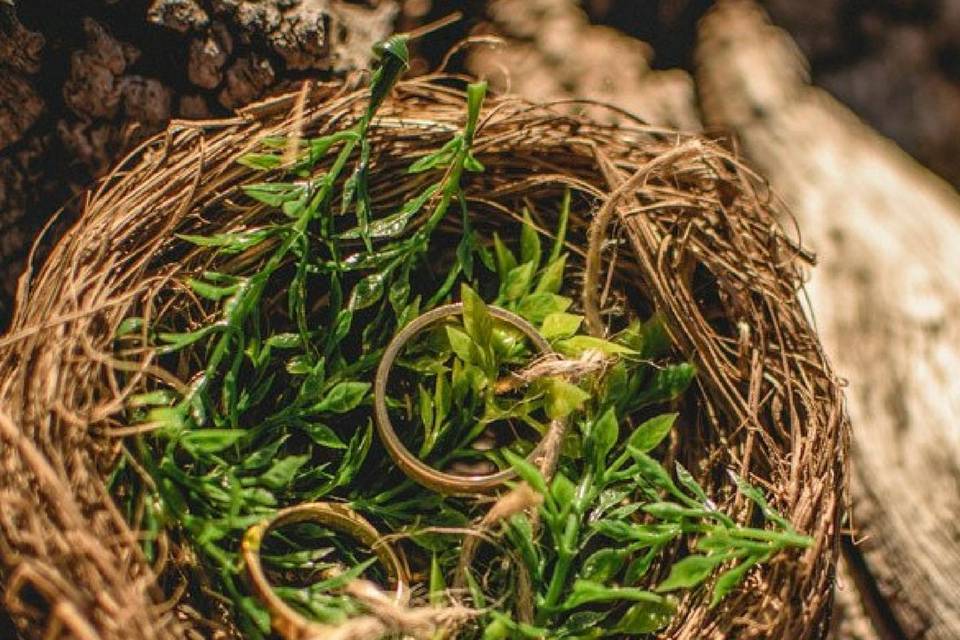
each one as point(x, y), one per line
point(611, 510)
point(277, 410)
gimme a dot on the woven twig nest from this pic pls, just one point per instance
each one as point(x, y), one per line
point(702, 247)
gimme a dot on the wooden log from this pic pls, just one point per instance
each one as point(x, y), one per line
point(538, 62)
point(885, 298)
point(851, 618)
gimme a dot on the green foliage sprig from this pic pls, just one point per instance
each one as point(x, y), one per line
point(279, 409)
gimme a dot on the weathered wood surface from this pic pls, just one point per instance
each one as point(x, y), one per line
point(538, 62)
point(886, 298)
point(852, 618)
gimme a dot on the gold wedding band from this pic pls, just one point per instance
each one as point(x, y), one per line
point(286, 621)
point(413, 467)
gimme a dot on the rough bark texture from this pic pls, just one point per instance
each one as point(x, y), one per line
point(539, 62)
point(885, 296)
point(83, 82)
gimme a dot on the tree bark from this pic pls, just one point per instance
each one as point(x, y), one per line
point(539, 63)
point(82, 82)
point(885, 297)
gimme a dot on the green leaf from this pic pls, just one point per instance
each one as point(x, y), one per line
point(257, 613)
point(648, 435)
point(671, 511)
point(562, 397)
point(128, 326)
point(440, 158)
point(476, 593)
point(320, 146)
point(461, 344)
point(497, 630)
point(529, 242)
point(583, 625)
point(505, 259)
point(274, 194)
point(210, 440)
point(562, 489)
point(466, 378)
point(177, 341)
point(369, 290)
point(393, 225)
point(299, 365)
point(641, 565)
point(603, 565)
point(535, 307)
point(171, 419)
point(341, 326)
point(476, 318)
point(161, 397)
point(470, 163)
point(433, 412)
point(323, 435)
point(260, 161)
point(517, 283)
point(284, 341)
point(690, 571)
point(654, 473)
point(442, 399)
point(617, 385)
point(343, 397)
point(561, 227)
point(645, 617)
point(756, 496)
point(668, 383)
point(355, 455)
point(521, 534)
point(425, 409)
point(230, 243)
point(509, 342)
point(527, 471)
point(688, 481)
point(602, 438)
point(399, 294)
point(476, 91)
point(438, 585)
point(656, 340)
point(587, 592)
point(729, 579)
point(645, 534)
point(283, 471)
point(551, 280)
point(560, 325)
point(263, 455)
point(577, 345)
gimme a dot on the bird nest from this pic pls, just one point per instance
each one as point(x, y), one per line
point(657, 223)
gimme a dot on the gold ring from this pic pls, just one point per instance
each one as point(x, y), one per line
point(339, 517)
point(413, 467)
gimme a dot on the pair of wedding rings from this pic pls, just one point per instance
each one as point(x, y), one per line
point(342, 519)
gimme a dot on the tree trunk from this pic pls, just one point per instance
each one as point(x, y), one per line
point(538, 62)
point(885, 297)
point(84, 81)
